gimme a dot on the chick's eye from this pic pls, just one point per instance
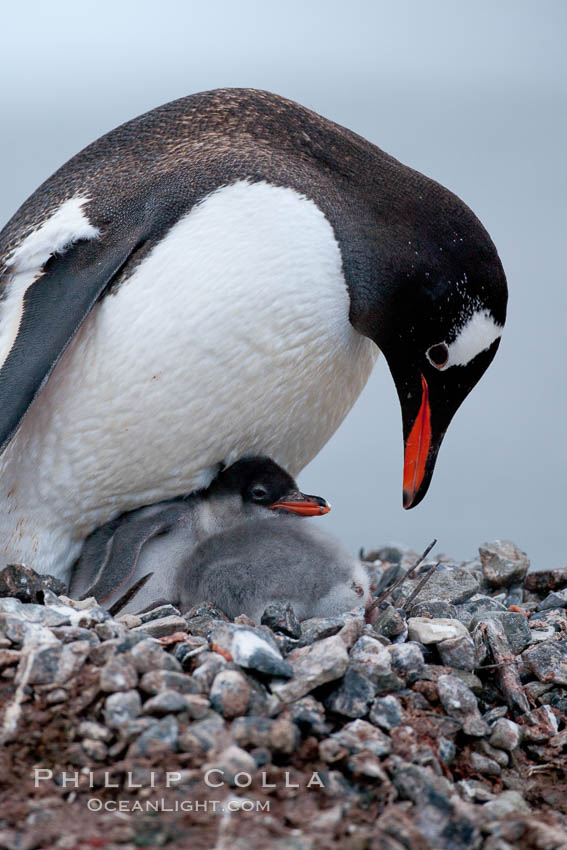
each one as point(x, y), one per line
point(438, 355)
point(259, 493)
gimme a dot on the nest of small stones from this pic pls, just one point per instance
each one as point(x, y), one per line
point(442, 724)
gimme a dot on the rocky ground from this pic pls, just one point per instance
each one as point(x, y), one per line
point(440, 725)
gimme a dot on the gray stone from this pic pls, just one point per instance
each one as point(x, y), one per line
point(131, 621)
point(540, 725)
point(506, 803)
point(159, 612)
point(110, 630)
point(163, 627)
point(121, 707)
point(372, 660)
point(499, 756)
point(250, 648)
point(26, 585)
point(312, 666)
point(309, 715)
point(548, 661)
point(160, 680)
point(55, 664)
point(196, 706)
point(118, 675)
point(353, 695)
point(484, 765)
point(148, 655)
point(446, 750)
point(434, 608)
point(208, 665)
point(515, 625)
point(70, 634)
point(205, 734)
point(94, 749)
point(386, 712)
point(280, 617)
point(389, 621)
point(555, 599)
point(159, 739)
point(450, 583)
point(360, 736)
point(460, 703)
point(428, 631)
point(56, 696)
point(407, 661)
point(515, 595)
point(233, 766)
point(165, 702)
point(458, 652)
point(503, 564)
point(318, 628)
point(230, 693)
point(93, 730)
point(506, 735)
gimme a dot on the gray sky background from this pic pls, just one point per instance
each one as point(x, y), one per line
point(473, 95)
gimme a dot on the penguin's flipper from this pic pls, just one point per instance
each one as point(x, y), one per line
point(128, 595)
point(53, 309)
point(122, 550)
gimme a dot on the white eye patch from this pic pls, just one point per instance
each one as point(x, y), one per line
point(477, 335)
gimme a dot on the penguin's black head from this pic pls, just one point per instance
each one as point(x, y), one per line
point(260, 481)
point(437, 314)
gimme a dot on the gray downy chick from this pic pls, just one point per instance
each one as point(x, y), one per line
point(244, 569)
point(150, 546)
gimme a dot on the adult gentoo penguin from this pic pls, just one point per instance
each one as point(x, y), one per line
point(215, 278)
point(159, 538)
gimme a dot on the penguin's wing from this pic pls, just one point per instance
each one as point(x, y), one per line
point(54, 307)
point(122, 549)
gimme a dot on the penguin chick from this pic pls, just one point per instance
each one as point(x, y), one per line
point(244, 569)
point(158, 538)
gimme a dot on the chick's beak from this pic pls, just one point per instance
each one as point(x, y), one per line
point(299, 503)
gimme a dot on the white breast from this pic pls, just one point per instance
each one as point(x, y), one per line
point(231, 337)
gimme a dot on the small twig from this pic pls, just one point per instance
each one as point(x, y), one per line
point(419, 587)
point(403, 578)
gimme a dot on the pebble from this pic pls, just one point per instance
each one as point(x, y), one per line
point(163, 626)
point(166, 702)
point(458, 652)
point(484, 765)
point(50, 665)
point(280, 617)
point(515, 625)
point(159, 680)
point(507, 803)
point(555, 599)
point(353, 695)
point(249, 648)
point(451, 583)
point(460, 702)
point(159, 613)
point(118, 675)
point(436, 608)
point(317, 628)
point(159, 739)
point(548, 661)
point(121, 707)
point(361, 736)
point(503, 563)
point(312, 666)
point(230, 693)
point(407, 661)
point(386, 712)
point(233, 766)
point(373, 661)
point(426, 630)
point(505, 734)
point(148, 655)
point(204, 735)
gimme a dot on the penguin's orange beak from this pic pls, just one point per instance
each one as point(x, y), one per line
point(299, 503)
point(417, 448)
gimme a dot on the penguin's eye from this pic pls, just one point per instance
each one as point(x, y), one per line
point(259, 493)
point(438, 355)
